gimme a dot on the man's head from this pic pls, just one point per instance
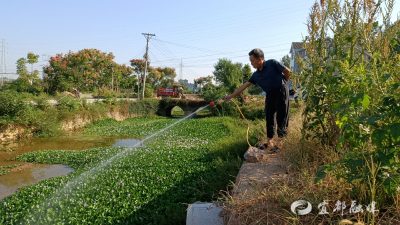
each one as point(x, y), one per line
point(256, 58)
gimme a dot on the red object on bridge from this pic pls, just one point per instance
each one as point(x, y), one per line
point(169, 92)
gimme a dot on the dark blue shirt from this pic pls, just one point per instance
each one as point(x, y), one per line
point(270, 77)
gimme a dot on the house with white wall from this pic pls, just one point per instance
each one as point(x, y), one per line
point(297, 49)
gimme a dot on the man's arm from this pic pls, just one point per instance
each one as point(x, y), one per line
point(238, 91)
point(287, 72)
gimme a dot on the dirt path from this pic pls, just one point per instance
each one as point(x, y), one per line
point(252, 178)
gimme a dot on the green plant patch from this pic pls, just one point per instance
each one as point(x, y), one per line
point(190, 161)
point(7, 169)
point(8, 149)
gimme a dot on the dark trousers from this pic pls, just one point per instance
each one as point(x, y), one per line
point(277, 111)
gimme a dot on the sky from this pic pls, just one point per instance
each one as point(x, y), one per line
point(196, 33)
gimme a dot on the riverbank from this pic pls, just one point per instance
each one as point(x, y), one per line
point(21, 120)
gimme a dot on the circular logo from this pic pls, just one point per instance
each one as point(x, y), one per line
point(304, 207)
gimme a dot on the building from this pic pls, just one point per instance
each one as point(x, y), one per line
point(187, 83)
point(297, 49)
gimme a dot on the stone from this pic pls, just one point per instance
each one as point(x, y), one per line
point(203, 213)
point(254, 155)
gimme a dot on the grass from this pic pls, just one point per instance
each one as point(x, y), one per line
point(270, 203)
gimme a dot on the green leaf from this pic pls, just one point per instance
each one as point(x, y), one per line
point(321, 174)
point(395, 86)
point(379, 136)
point(371, 120)
point(393, 42)
point(391, 184)
point(395, 131)
point(386, 77)
point(355, 100)
point(376, 24)
point(365, 102)
point(349, 39)
point(345, 90)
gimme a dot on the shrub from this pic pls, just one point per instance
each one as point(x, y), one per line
point(42, 102)
point(68, 103)
point(12, 107)
point(46, 122)
point(144, 106)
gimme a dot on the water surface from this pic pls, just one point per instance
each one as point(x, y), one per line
point(32, 173)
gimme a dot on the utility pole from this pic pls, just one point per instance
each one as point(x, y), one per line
point(3, 61)
point(146, 58)
point(181, 73)
point(112, 77)
point(138, 86)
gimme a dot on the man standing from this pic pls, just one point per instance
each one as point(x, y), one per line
point(271, 76)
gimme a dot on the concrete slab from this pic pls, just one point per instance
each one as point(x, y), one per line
point(203, 213)
point(252, 175)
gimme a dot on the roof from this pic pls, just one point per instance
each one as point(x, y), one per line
point(297, 45)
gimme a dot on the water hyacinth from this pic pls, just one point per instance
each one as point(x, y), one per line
point(168, 171)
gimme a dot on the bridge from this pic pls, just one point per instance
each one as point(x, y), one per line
point(187, 105)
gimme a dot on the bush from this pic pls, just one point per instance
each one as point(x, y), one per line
point(68, 103)
point(213, 94)
point(144, 107)
point(42, 102)
point(12, 107)
point(255, 89)
point(46, 122)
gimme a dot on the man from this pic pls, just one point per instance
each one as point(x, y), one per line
point(271, 76)
point(180, 91)
point(77, 94)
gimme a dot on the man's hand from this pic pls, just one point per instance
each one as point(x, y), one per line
point(287, 72)
point(228, 98)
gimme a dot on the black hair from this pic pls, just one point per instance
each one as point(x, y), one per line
point(257, 53)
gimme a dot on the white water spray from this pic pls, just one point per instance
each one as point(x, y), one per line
point(73, 182)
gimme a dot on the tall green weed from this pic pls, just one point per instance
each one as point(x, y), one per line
point(352, 85)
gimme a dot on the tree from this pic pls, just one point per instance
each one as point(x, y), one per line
point(246, 73)
point(203, 83)
point(186, 89)
point(286, 61)
point(21, 67)
point(228, 74)
point(89, 67)
point(160, 77)
point(26, 78)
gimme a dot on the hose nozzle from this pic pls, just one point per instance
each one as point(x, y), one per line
point(212, 103)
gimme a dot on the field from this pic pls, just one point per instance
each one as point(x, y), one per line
point(191, 161)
